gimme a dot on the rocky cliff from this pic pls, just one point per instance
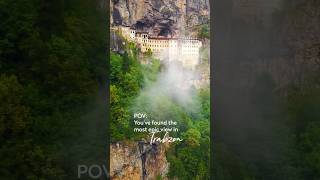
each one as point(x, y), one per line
point(137, 160)
point(160, 17)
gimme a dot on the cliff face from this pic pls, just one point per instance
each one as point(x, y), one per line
point(159, 17)
point(135, 161)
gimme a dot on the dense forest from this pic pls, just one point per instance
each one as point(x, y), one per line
point(266, 121)
point(53, 65)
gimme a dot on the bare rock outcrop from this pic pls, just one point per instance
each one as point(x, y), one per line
point(159, 17)
point(135, 161)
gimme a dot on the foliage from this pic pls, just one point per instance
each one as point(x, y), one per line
point(286, 114)
point(128, 80)
point(204, 31)
point(53, 68)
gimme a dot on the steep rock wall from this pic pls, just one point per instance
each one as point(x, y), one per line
point(159, 17)
point(128, 161)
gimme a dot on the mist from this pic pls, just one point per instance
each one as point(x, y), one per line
point(175, 83)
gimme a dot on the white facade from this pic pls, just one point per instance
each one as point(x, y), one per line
point(185, 50)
